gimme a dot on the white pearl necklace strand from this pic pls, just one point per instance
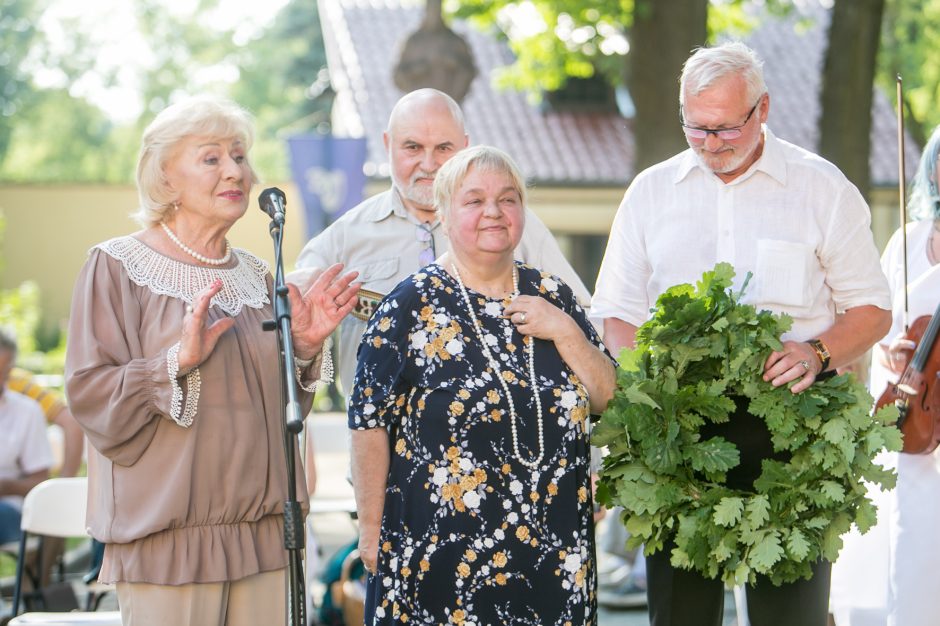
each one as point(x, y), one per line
point(532, 465)
point(199, 257)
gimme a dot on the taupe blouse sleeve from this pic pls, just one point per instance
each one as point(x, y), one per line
point(108, 372)
point(187, 476)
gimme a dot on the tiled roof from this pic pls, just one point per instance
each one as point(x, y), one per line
point(564, 148)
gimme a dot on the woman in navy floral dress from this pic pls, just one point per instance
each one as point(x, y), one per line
point(474, 493)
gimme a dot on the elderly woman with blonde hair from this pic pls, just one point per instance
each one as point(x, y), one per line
point(469, 412)
point(176, 385)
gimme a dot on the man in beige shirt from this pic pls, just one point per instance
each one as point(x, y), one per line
point(393, 234)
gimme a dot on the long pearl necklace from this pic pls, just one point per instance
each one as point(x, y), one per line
point(477, 327)
point(199, 257)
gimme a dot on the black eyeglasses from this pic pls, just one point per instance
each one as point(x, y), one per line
point(424, 235)
point(725, 134)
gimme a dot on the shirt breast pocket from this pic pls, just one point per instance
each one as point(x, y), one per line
point(783, 273)
point(381, 275)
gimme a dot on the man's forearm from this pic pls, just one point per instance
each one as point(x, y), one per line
point(618, 335)
point(854, 332)
point(21, 486)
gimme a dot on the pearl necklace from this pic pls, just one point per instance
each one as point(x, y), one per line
point(199, 257)
point(477, 327)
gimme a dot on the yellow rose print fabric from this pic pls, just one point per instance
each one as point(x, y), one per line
point(469, 534)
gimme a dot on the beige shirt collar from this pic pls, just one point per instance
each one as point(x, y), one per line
point(380, 211)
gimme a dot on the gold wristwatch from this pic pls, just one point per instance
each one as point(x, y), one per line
point(822, 352)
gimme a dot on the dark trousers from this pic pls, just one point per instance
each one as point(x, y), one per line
point(680, 597)
point(683, 598)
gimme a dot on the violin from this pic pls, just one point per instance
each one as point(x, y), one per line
point(917, 392)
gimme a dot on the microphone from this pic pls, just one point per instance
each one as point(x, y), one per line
point(272, 201)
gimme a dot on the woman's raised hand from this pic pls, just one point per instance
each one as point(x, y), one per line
point(317, 312)
point(198, 340)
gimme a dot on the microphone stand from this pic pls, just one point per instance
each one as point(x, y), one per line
point(293, 425)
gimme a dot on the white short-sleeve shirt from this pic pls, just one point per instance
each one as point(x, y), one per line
point(792, 219)
point(24, 446)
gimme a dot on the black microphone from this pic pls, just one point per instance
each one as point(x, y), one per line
point(272, 201)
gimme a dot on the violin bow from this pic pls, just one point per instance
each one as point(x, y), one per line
point(902, 190)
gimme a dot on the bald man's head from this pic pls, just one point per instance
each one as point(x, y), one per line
point(425, 129)
point(420, 100)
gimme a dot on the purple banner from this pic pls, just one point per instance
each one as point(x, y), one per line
point(328, 172)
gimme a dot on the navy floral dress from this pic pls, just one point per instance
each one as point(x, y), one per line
point(469, 534)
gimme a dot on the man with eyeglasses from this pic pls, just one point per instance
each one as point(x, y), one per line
point(395, 233)
point(743, 196)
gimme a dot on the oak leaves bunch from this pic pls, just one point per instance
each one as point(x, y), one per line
point(701, 348)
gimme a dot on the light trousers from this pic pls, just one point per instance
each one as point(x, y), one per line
point(252, 601)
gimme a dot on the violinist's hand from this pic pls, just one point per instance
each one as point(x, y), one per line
point(898, 354)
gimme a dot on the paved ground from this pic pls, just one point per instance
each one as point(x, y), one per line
point(336, 529)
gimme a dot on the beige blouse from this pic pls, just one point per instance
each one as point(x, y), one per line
point(187, 476)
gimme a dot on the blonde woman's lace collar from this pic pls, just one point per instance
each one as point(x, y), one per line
point(242, 285)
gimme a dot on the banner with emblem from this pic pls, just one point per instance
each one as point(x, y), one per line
point(328, 173)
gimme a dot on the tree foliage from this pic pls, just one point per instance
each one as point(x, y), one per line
point(62, 138)
point(20, 313)
point(284, 82)
point(909, 41)
point(17, 30)
point(640, 44)
point(554, 40)
point(51, 134)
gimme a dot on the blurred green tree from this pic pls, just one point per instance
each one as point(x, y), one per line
point(910, 38)
point(642, 44)
point(49, 134)
point(17, 30)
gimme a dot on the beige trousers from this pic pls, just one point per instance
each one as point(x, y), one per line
point(254, 601)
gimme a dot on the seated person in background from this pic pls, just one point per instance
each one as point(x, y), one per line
point(25, 455)
point(56, 412)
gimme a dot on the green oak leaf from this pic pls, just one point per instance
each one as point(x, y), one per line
point(766, 552)
point(728, 511)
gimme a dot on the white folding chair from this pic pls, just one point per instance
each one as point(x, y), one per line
point(55, 508)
